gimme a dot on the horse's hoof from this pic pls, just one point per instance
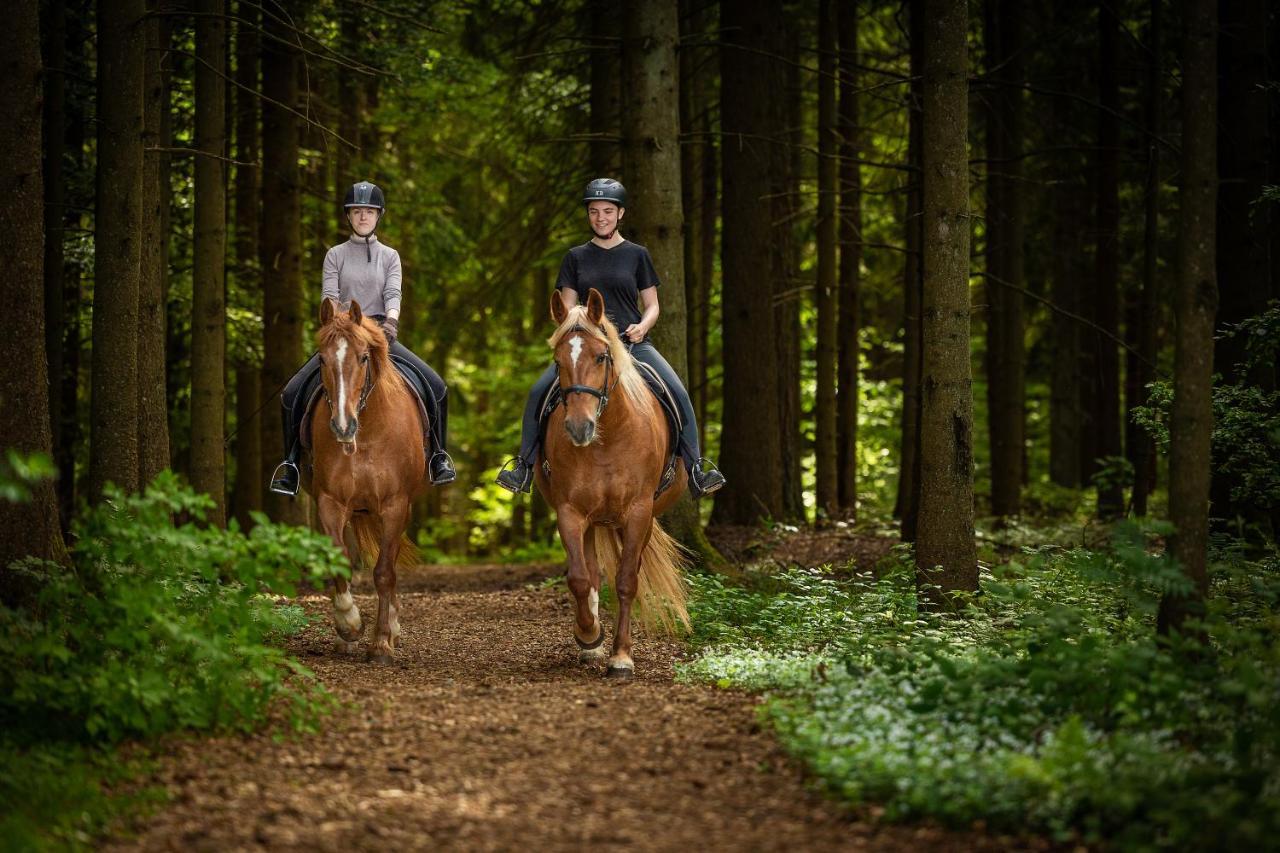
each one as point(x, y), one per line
point(591, 655)
point(348, 635)
point(597, 643)
point(620, 673)
point(382, 659)
point(346, 647)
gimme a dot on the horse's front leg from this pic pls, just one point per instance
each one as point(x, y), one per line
point(394, 518)
point(346, 616)
point(636, 528)
point(588, 631)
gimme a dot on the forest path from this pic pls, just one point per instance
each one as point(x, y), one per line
point(487, 734)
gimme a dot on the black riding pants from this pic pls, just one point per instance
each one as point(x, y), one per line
point(690, 449)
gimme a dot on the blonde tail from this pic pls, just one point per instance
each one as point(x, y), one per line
point(368, 531)
point(660, 604)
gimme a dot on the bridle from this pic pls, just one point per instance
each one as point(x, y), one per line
point(602, 393)
point(364, 391)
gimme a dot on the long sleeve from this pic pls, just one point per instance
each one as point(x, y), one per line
point(332, 269)
point(391, 290)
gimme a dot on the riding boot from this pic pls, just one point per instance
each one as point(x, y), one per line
point(516, 476)
point(440, 465)
point(704, 481)
point(285, 479)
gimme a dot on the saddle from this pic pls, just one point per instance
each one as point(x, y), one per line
point(666, 400)
point(313, 390)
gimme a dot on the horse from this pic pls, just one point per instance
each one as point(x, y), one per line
point(368, 464)
point(605, 449)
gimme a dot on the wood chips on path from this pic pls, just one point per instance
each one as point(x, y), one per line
point(487, 734)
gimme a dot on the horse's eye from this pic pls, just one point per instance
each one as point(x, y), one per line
point(601, 357)
point(364, 359)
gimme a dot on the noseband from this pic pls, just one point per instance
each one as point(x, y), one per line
point(602, 393)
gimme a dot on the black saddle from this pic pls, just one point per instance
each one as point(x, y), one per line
point(313, 390)
point(665, 399)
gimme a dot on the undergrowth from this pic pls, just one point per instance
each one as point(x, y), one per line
point(152, 628)
point(1049, 706)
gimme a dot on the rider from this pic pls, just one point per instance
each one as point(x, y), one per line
point(368, 271)
point(623, 273)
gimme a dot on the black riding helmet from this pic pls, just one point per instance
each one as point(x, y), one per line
point(605, 189)
point(365, 194)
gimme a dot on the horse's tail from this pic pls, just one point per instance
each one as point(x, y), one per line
point(368, 531)
point(661, 600)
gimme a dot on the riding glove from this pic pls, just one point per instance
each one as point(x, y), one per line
point(391, 328)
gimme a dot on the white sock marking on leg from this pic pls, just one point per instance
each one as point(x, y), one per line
point(595, 604)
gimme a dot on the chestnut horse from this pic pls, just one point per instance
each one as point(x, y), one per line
point(606, 447)
point(368, 464)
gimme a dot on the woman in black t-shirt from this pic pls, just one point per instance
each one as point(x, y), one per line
point(623, 273)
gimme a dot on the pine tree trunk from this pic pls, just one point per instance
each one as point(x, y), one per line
point(750, 111)
point(248, 493)
point(113, 450)
point(1107, 424)
point(208, 298)
point(850, 267)
point(1141, 447)
point(153, 411)
point(946, 558)
point(1191, 421)
point(605, 22)
point(907, 505)
point(1006, 369)
point(825, 303)
point(695, 104)
point(651, 152)
point(53, 26)
point(280, 249)
point(29, 527)
point(787, 165)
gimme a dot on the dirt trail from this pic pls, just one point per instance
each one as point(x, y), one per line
point(487, 734)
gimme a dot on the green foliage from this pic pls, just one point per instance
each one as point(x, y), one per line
point(1050, 706)
point(153, 627)
point(18, 473)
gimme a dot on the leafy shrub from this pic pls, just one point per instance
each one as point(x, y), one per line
point(1050, 706)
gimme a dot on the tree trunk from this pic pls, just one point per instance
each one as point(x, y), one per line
point(1006, 368)
point(907, 505)
point(1191, 421)
point(1141, 447)
point(824, 413)
point(113, 456)
point(697, 156)
point(1107, 426)
point(54, 52)
point(850, 267)
point(787, 165)
point(1066, 404)
point(651, 150)
point(208, 296)
point(946, 557)
point(280, 249)
point(750, 106)
point(29, 527)
point(153, 411)
point(606, 86)
point(248, 493)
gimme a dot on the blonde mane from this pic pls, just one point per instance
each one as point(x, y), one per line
point(633, 384)
point(367, 332)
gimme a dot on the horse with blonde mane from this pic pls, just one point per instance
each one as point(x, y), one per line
point(605, 449)
point(368, 464)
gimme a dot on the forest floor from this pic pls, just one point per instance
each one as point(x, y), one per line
point(487, 734)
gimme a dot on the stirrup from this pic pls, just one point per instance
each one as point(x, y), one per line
point(511, 467)
point(280, 479)
point(451, 475)
point(710, 473)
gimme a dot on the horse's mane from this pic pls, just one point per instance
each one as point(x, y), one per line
point(367, 332)
point(629, 378)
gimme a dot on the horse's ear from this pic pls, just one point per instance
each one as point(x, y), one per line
point(326, 311)
point(558, 311)
point(595, 306)
point(356, 316)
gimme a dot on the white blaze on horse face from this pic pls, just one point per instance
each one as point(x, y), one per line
point(342, 386)
point(575, 349)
